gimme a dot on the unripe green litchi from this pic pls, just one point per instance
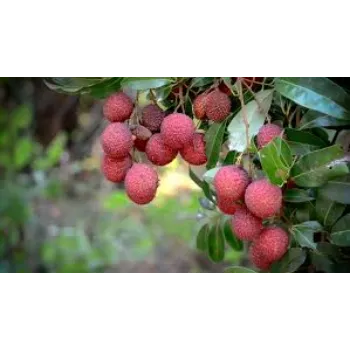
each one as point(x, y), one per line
point(246, 225)
point(263, 199)
point(230, 183)
point(152, 117)
point(141, 183)
point(267, 133)
point(118, 107)
point(177, 130)
point(117, 140)
point(194, 152)
point(158, 152)
point(115, 169)
point(199, 106)
point(218, 106)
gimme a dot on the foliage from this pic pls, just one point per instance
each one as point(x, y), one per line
point(309, 163)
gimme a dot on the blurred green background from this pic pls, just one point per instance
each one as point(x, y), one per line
point(58, 213)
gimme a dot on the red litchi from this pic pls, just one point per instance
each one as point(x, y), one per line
point(230, 183)
point(257, 258)
point(141, 132)
point(177, 130)
point(267, 133)
point(194, 152)
point(118, 107)
point(263, 199)
point(115, 169)
point(246, 225)
point(270, 246)
point(158, 152)
point(225, 89)
point(218, 106)
point(152, 117)
point(141, 183)
point(140, 145)
point(116, 140)
point(199, 106)
point(228, 207)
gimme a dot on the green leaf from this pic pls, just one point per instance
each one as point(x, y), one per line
point(328, 211)
point(202, 184)
point(296, 195)
point(230, 158)
point(210, 174)
point(73, 85)
point(313, 119)
point(304, 233)
point(239, 269)
point(305, 137)
point(305, 212)
point(199, 82)
point(255, 119)
point(105, 88)
point(216, 244)
point(276, 160)
point(23, 152)
point(146, 83)
point(321, 262)
point(231, 238)
point(214, 138)
point(21, 117)
point(318, 167)
point(341, 238)
point(343, 224)
point(319, 94)
point(337, 190)
point(202, 238)
point(56, 148)
point(300, 149)
point(292, 260)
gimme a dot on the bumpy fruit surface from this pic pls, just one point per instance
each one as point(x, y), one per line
point(267, 133)
point(115, 169)
point(118, 107)
point(230, 183)
point(218, 106)
point(141, 183)
point(177, 130)
point(257, 258)
point(116, 140)
point(158, 152)
point(270, 246)
point(228, 207)
point(194, 152)
point(263, 199)
point(199, 106)
point(152, 117)
point(246, 225)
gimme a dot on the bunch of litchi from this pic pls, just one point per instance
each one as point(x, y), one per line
point(250, 203)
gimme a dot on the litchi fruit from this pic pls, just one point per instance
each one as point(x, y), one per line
point(263, 199)
point(270, 246)
point(199, 106)
point(115, 169)
point(230, 183)
point(228, 207)
point(141, 132)
point(246, 225)
point(116, 140)
point(158, 152)
point(267, 133)
point(218, 106)
point(141, 183)
point(177, 130)
point(140, 145)
point(194, 152)
point(118, 107)
point(257, 258)
point(152, 117)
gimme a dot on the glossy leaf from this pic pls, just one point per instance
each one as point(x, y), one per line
point(231, 238)
point(319, 94)
point(202, 184)
point(312, 119)
point(292, 260)
point(318, 167)
point(304, 233)
point(304, 212)
point(230, 158)
point(341, 238)
point(305, 137)
point(328, 211)
point(296, 195)
point(255, 118)
point(73, 85)
point(239, 269)
point(337, 190)
point(199, 82)
point(343, 224)
point(145, 83)
point(214, 138)
point(216, 244)
point(202, 238)
point(276, 160)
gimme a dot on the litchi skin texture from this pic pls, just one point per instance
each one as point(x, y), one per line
point(257, 258)
point(118, 107)
point(116, 140)
point(141, 183)
point(140, 145)
point(115, 169)
point(246, 226)
point(152, 117)
point(270, 246)
point(199, 106)
point(194, 152)
point(177, 130)
point(228, 207)
point(263, 199)
point(158, 152)
point(218, 106)
point(267, 133)
point(230, 183)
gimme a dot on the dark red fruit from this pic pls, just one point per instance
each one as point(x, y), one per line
point(199, 106)
point(152, 117)
point(194, 152)
point(218, 106)
point(267, 133)
point(158, 152)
